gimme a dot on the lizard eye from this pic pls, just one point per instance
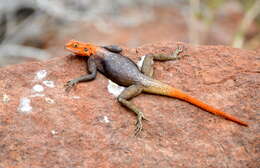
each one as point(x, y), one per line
point(75, 45)
point(86, 49)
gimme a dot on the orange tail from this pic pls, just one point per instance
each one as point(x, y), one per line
point(180, 95)
point(156, 87)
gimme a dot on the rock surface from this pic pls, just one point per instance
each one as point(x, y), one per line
point(43, 126)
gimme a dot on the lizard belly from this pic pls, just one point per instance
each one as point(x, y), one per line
point(121, 70)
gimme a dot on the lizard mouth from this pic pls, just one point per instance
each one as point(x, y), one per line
point(76, 52)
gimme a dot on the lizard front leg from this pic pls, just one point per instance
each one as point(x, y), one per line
point(91, 68)
point(147, 68)
point(113, 48)
point(124, 97)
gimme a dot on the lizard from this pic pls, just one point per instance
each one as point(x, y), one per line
point(122, 70)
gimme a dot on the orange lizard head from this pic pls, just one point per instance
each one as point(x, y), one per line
point(80, 48)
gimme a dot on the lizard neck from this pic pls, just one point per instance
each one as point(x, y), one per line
point(101, 52)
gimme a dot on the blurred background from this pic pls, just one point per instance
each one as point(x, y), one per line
point(32, 30)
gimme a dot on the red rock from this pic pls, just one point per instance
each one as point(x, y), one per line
point(47, 127)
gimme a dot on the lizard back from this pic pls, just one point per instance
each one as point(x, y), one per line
point(117, 67)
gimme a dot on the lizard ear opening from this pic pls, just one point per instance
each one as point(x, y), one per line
point(90, 49)
point(113, 48)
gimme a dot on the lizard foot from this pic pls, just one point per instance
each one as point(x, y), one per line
point(69, 85)
point(139, 125)
point(177, 52)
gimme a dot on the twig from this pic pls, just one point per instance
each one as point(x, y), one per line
point(24, 51)
point(245, 23)
point(193, 26)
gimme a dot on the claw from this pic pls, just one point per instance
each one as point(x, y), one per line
point(139, 128)
point(69, 85)
point(139, 125)
point(68, 88)
point(179, 50)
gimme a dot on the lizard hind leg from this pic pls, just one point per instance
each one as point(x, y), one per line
point(147, 68)
point(123, 98)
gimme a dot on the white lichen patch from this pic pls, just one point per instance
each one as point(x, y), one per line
point(25, 105)
point(54, 132)
point(49, 100)
point(38, 88)
point(114, 89)
point(75, 97)
point(104, 119)
point(49, 83)
point(41, 74)
point(5, 98)
point(140, 62)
